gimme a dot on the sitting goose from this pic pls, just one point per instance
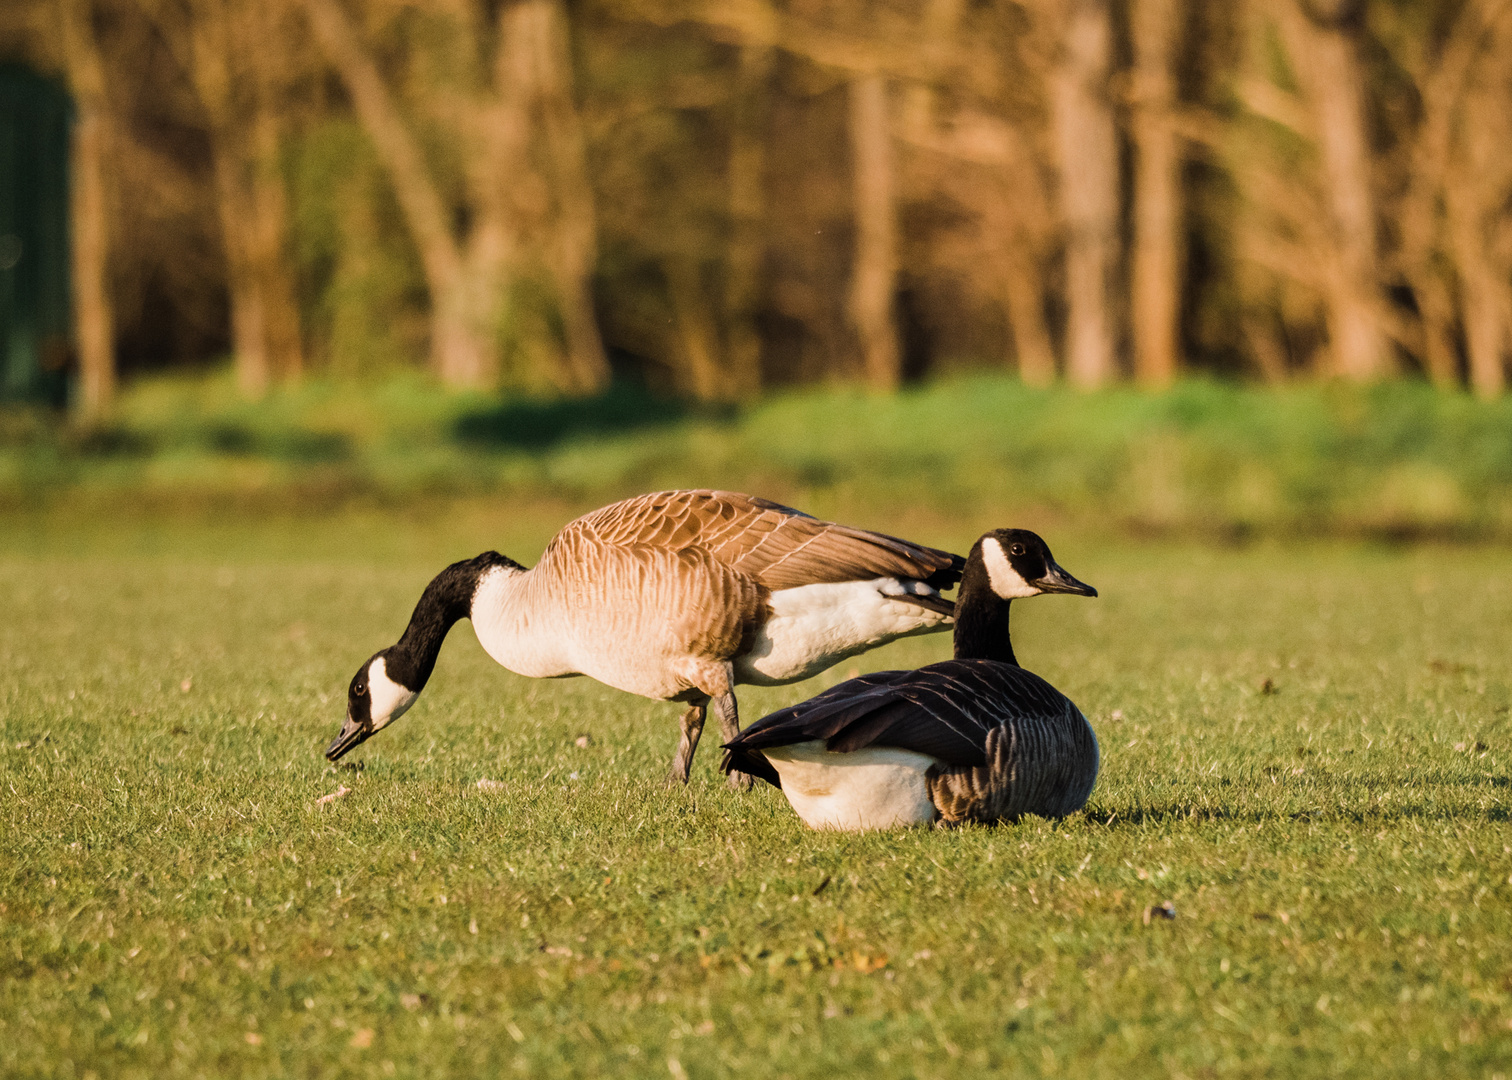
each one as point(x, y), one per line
point(976, 738)
point(677, 596)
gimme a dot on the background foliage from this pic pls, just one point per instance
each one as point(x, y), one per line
point(723, 197)
point(1393, 461)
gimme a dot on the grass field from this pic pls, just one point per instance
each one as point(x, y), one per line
point(1305, 753)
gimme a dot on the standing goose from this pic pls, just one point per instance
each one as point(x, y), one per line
point(976, 738)
point(676, 596)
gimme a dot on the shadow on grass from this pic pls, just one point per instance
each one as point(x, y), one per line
point(227, 438)
point(1126, 816)
point(304, 447)
point(627, 405)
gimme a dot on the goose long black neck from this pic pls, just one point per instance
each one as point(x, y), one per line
point(445, 600)
point(981, 618)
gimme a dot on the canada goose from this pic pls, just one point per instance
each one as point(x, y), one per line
point(677, 596)
point(976, 738)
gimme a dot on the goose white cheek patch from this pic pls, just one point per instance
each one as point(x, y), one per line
point(1006, 581)
point(389, 699)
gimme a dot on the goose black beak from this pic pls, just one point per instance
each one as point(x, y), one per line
point(353, 733)
point(1057, 580)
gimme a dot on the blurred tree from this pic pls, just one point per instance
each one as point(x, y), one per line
point(1323, 41)
point(514, 207)
point(1086, 142)
point(874, 269)
point(89, 206)
point(746, 252)
point(241, 88)
point(745, 193)
point(1155, 282)
point(1456, 246)
point(1476, 200)
point(979, 153)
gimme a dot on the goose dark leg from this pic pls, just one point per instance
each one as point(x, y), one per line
point(729, 727)
point(692, 727)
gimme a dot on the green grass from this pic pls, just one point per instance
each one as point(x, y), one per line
point(173, 902)
point(1204, 459)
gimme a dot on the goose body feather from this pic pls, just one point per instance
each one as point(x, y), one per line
point(645, 595)
point(976, 738)
point(677, 596)
point(980, 740)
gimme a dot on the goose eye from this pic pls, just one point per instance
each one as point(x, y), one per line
point(1016, 549)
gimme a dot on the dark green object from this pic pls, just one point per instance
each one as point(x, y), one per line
point(35, 349)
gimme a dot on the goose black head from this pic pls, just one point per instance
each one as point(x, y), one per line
point(388, 684)
point(374, 701)
point(1019, 564)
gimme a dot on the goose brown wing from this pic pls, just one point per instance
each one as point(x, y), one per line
point(776, 545)
point(945, 710)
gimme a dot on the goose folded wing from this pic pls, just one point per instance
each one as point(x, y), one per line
point(947, 711)
point(944, 710)
point(912, 710)
point(774, 544)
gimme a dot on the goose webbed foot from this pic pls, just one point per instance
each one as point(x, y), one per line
point(692, 723)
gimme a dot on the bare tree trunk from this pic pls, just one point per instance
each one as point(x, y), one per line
point(1484, 304)
point(270, 247)
point(696, 329)
point(1157, 196)
point(572, 249)
point(1473, 213)
point(747, 248)
point(235, 87)
point(1327, 61)
point(1024, 297)
point(248, 310)
point(94, 329)
point(1439, 357)
point(1017, 249)
point(1088, 158)
point(1013, 205)
point(254, 221)
point(205, 36)
point(874, 275)
point(1419, 214)
point(1266, 347)
point(462, 342)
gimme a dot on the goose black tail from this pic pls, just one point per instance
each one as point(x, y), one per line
point(754, 762)
point(948, 576)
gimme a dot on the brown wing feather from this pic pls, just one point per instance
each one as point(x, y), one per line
point(643, 617)
point(776, 545)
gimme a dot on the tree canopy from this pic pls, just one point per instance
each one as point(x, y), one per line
point(731, 195)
